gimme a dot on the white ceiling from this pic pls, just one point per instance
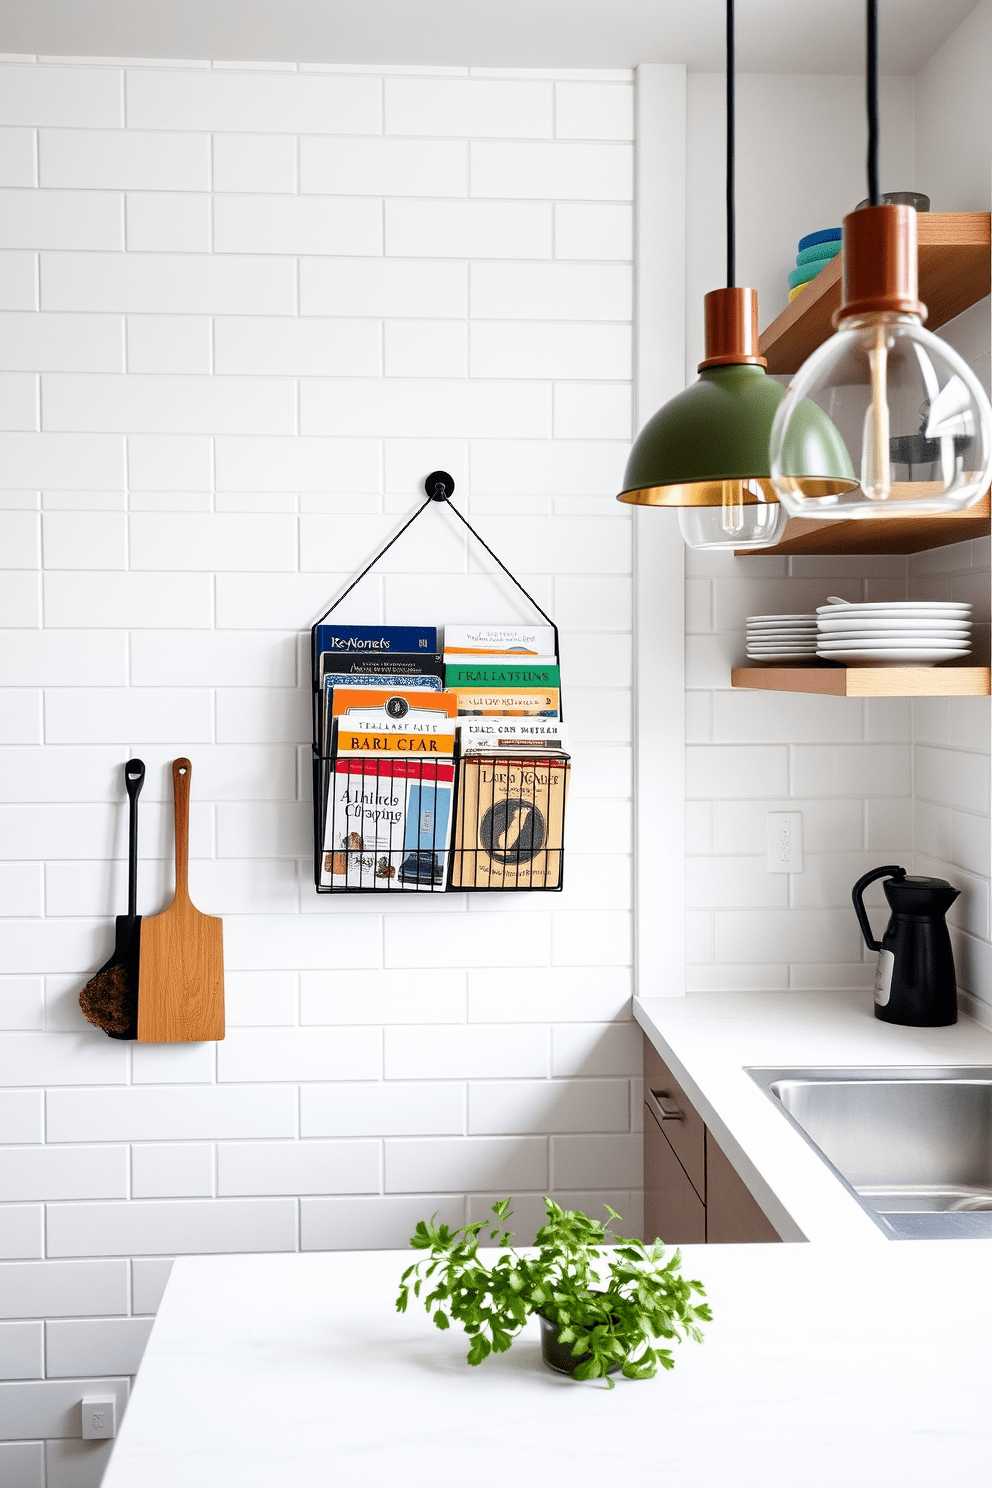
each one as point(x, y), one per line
point(797, 36)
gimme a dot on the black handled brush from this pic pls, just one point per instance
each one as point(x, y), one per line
point(110, 997)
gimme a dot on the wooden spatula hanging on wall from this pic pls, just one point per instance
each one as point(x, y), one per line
point(181, 975)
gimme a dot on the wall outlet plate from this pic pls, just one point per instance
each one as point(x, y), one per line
point(99, 1417)
point(785, 842)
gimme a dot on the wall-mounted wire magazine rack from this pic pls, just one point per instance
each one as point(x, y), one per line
point(508, 805)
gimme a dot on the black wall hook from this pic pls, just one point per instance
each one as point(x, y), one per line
point(439, 485)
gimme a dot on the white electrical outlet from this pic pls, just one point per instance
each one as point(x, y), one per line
point(99, 1417)
point(785, 842)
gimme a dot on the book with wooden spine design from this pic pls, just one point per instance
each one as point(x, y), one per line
point(511, 820)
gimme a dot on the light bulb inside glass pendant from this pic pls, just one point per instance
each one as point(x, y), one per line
point(915, 420)
point(748, 516)
point(914, 417)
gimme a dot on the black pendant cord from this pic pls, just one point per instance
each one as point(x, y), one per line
point(731, 209)
point(871, 99)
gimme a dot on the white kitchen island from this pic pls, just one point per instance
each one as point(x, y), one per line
point(849, 1360)
point(823, 1366)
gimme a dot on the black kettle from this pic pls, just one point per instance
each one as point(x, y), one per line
point(914, 983)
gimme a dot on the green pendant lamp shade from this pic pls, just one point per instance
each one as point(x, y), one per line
point(715, 434)
point(717, 430)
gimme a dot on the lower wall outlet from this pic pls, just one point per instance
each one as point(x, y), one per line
point(99, 1417)
point(785, 842)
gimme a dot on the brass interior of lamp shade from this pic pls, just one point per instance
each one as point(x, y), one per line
point(741, 492)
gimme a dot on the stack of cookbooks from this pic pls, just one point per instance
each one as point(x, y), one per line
point(389, 707)
point(502, 670)
point(514, 774)
point(386, 732)
point(382, 656)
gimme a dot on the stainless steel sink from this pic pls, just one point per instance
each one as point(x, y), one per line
point(913, 1144)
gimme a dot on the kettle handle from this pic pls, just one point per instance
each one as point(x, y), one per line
point(892, 870)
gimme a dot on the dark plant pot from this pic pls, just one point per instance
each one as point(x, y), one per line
point(559, 1356)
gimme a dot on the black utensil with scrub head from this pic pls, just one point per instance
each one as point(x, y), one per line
point(110, 998)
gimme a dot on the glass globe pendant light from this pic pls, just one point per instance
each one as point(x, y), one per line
point(915, 419)
point(705, 452)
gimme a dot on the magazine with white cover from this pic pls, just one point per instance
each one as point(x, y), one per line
point(364, 824)
point(530, 641)
point(479, 734)
point(388, 819)
point(413, 723)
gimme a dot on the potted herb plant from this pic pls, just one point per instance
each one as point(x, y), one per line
point(592, 1325)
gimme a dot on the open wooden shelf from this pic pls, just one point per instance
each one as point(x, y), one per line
point(831, 681)
point(804, 535)
point(955, 269)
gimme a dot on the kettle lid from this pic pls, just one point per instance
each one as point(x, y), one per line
point(914, 881)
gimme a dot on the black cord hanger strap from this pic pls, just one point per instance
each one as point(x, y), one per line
point(440, 487)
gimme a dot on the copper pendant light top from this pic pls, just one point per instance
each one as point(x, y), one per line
point(879, 264)
point(731, 317)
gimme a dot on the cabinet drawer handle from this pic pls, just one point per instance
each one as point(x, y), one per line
point(662, 1107)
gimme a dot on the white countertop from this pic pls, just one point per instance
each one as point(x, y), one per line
point(294, 1371)
point(708, 1038)
point(852, 1359)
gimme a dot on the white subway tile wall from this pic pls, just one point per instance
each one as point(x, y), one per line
point(886, 780)
point(749, 753)
point(247, 312)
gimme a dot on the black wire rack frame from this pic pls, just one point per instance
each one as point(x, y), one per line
point(515, 799)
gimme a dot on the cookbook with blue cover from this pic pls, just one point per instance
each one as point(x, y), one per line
point(380, 639)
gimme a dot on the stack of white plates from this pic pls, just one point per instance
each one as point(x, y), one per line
point(913, 633)
point(781, 637)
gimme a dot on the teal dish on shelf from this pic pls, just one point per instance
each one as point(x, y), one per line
point(823, 252)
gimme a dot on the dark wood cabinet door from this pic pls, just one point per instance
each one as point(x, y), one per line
point(673, 1210)
point(733, 1215)
point(687, 1136)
